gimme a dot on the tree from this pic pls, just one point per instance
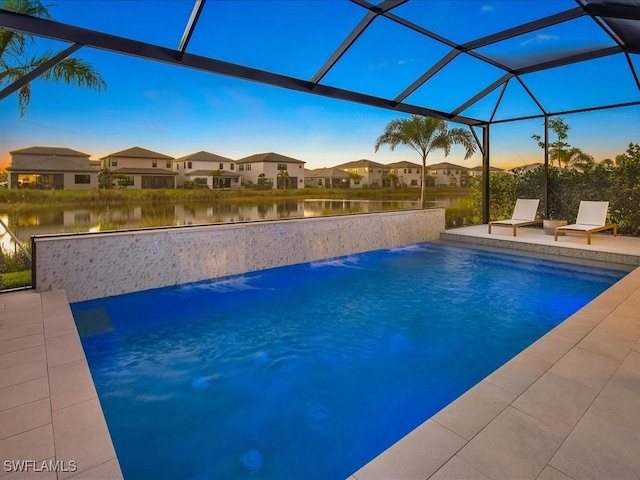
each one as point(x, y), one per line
point(577, 158)
point(624, 194)
point(283, 178)
point(392, 179)
point(15, 62)
point(216, 174)
point(425, 134)
point(104, 178)
point(557, 149)
point(354, 178)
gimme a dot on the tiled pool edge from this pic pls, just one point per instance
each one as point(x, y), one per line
point(480, 435)
point(65, 426)
point(524, 245)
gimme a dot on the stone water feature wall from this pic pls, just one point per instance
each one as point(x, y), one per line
point(97, 265)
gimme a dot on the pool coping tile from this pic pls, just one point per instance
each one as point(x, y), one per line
point(81, 435)
point(513, 445)
point(49, 409)
point(419, 454)
point(474, 409)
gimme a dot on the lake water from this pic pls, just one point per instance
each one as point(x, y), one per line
point(51, 220)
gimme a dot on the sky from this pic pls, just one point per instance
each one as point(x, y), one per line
point(178, 111)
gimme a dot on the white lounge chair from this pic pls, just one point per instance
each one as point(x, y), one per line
point(592, 217)
point(524, 214)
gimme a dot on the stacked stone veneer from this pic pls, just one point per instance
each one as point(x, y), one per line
point(89, 266)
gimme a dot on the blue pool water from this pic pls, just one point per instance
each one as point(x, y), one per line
point(310, 371)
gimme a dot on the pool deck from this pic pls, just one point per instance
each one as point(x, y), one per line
point(565, 408)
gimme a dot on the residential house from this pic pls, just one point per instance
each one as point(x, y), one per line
point(140, 168)
point(365, 173)
point(272, 169)
point(207, 168)
point(326, 178)
point(408, 174)
point(448, 175)
point(477, 171)
point(52, 168)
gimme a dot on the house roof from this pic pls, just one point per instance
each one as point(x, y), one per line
point(138, 152)
point(491, 169)
point(53, 163)
point(50, 151)
point(144, 171)
point(203, 156)
point(404, 164)
point(326, 173)
point(206, 173)
point(270, 157)
point(447, 165)
point(361, 163)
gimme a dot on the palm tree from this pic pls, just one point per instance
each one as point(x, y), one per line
point(15, 63)
point(354, 178)
point(283, 178)
point(392, 179)
point(425, 134)
point(578, 159)
point(216, 174)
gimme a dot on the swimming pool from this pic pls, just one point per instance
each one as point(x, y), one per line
point(310, 371)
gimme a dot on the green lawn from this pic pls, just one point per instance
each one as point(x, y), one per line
point(15, 279)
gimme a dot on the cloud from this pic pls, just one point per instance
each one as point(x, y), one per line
point(487, 9)
point(539, 39)
point(236, 99)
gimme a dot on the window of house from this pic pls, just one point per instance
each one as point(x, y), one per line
point(241, 168)
point(232, 166)
point(319, 182)
point(356, 181)
point(282, 166)
point(434, 172)
point(414, 183)
point(221, 166)
point(114, 162)
point(248, 166)
point(154, 163)
point(168, 164)
point(82, 179)
point(189, 165)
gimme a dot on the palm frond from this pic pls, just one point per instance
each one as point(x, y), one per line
point(74, 71)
